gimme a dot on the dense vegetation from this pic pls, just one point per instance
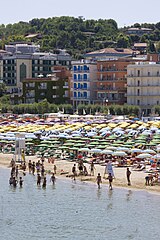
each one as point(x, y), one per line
point(45, 107)
point(77, 35)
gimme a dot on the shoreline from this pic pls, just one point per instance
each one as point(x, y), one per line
point(137, 178)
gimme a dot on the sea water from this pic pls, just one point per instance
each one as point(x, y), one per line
point(76, 210)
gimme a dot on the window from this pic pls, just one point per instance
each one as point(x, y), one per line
point(138, 83)
point(148, 74)
point(75, 85)
point(75, 77)
point(138, 102)
point(138, 73)
point(138, 91)
point(85, 76)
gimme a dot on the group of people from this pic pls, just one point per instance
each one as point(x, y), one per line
point(33, 167)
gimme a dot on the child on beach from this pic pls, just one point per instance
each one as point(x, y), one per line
point(99, 180)
point(53, 179)
point(20, 182)
point(110, 178)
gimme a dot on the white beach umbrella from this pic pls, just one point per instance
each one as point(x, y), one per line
point(149, 151)
point(124, 149)
point(119, 153)
point(144, 155)
point(107, 151)
point(95, 150)
point(136, 150)
point(84, 150)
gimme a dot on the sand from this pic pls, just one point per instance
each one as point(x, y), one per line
point(137, 178)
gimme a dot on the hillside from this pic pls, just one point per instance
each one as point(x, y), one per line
point(76, 35)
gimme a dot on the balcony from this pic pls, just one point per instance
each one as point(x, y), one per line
point(80, 80)
point(112, 70)
point(66, 87)
point(111, 89)
point(143, 85)
point(112, 79)
point(80, 98)
point(144, 76)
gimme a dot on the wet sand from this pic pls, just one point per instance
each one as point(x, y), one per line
point(137, 178)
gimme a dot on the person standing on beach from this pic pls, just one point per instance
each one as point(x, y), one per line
point(38, 180)
point(99, 180)
point(33, 168)
point(128, 173)
point(30, 166)
point(53, 179)
point(14, 182)
point(92, 168)
point(55, 169)
point(44, 182)
point(74, 172)
point(110, 178)
point(20, 182)
point(16, 171)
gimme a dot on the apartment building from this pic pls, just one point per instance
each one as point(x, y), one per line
point(54, 88)
point(83, 82)
point(143, 85)
point(111, 86)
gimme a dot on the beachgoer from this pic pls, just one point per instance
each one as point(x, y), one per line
point(33, 168)
point(74, 171)
point(85, 171)
point(42, 171)
point(38, 180)
point(53, 179)
point(110, 178)
point(11, 180)
point(44, 182)
point(16, 171)
point(128, 173)
point(92, 168)
point(147, 180)
point(30, 166)
point(14, 182)
point(99, 180)
point(55, 169)
point(20, 182)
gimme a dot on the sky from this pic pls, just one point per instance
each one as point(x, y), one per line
point(124, 12)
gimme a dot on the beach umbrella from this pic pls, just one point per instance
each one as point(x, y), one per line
point(136, 150)
point(83, 149)
point(73, 149)
point(111, 148)
point(107, 151)
point(144, 155)
point(95, 150)
point(124, 149)
point(149, 151)
point(157, 156)
point(119, 154)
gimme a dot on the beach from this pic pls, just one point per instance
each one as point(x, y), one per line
point(64, 169)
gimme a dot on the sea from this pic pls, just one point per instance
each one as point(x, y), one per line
point(76, 211)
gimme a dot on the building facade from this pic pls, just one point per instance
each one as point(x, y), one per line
point(54, 88)
point(143, 85)
point(111, 87)
point(83, 82)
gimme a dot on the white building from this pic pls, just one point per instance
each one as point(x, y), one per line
point(83, 79)
point(143, 85)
